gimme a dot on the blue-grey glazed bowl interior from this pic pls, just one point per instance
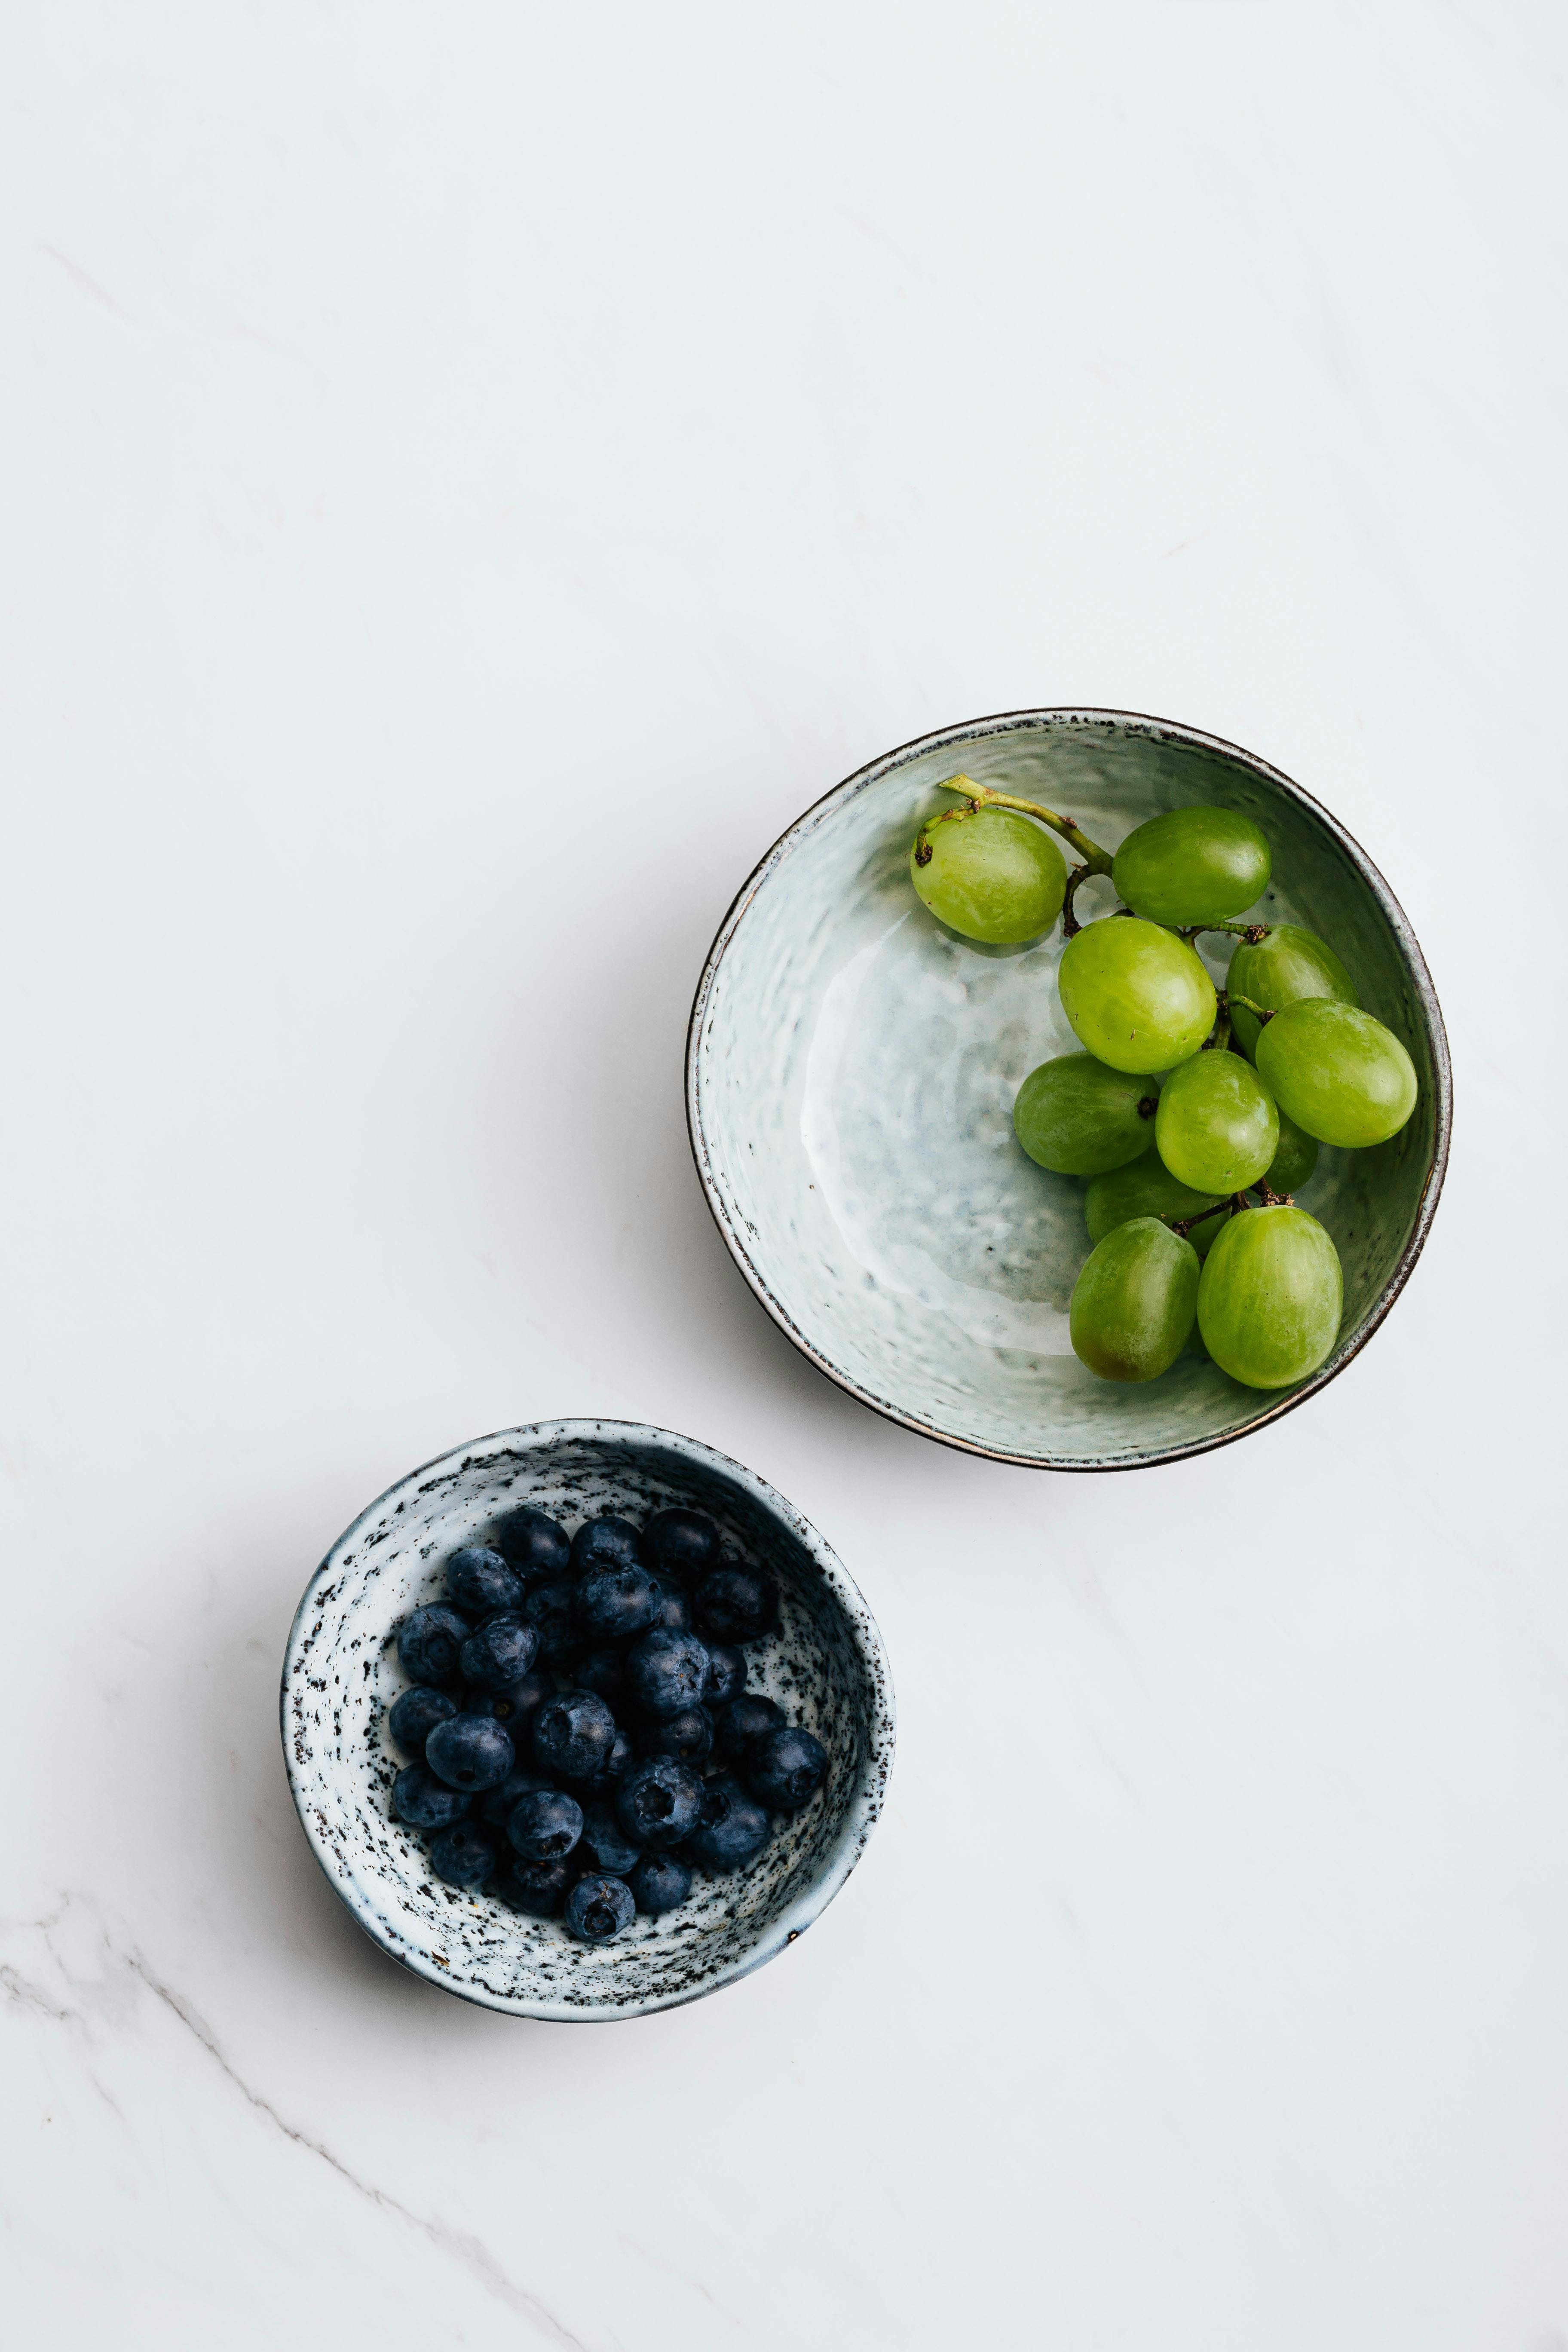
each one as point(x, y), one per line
point(825, 1667)
point(850, 1074)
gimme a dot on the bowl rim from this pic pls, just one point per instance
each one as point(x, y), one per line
point(1163, 731)
point(861, 1813)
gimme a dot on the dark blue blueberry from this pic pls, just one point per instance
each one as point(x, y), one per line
point(516, 1706)
point(536, 1546)
point(687, 1736)
point(502, 1651)
point(682, 1544)
point(425, 1802)
point(784, 1769)
point(548, 1609)
point(545, 1825)
point(572, 1735)
point(615, 1765)
point(737, 1604)
point(659, 1882)
point(538, 1888)
point(612, 1603)
point(606, 1543)
point(413, 1717)
point(673, 1609)
point(726, 1677)
point(666, 1672)
point(603, 1671)
point(732, 1830)
point(659, 1802)
point(463, 1855)
point(481, 1584)
point(606, 1844)
point(598, 1909)
point(470, 1752)
point(495, 1806)
point(750, 1717)
point(428, 1643)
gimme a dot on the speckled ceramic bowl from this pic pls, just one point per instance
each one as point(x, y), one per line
point(825, 1667)
point(850, 1076)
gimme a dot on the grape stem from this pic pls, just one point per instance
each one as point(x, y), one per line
point(1221, 1037)
point(984, 796)
point(1265, 1012)
point(1251, 932)
point(1234, 1204)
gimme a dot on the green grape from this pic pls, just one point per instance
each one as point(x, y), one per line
point(993, 875)
point(1271, 1296)
point(1133, 1304)
point(1294, 1160)
point(1216, 1128)
point(1290, 963)
point(1146, 1188)
point(1193, 865)
point(1137, 996)
point(1339, 1073)
point(1077, 1118)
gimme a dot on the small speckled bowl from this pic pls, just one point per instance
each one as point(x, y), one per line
point(825, 1667)
point(852, 1066)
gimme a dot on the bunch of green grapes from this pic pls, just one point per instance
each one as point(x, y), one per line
point(1185, 1101)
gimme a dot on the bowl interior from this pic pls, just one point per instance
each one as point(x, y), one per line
point(853, 1067)
point(825, 1667)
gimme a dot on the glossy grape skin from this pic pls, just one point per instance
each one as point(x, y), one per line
point(1146, 1188)
point(1077, 1118)
point(1289, 964)
point(1294, 1160)
point(1338, 1072)
point(993, 876)
point(1193, 865)
point(1271, 1296)
point(1136, 995)
point(1133, 1304)
point(1217, 1126)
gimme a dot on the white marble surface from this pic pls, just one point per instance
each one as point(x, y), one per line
point(472, 474)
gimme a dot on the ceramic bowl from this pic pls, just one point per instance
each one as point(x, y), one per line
point(850, 1074)
point(825, 1667)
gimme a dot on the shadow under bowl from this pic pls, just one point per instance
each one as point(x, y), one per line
point(824, 1665)
point(851, 1069)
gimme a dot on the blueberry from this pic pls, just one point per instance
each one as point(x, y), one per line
point(750, 1717)
point(606, 1543)
point(536, 1546)
point(784, 1769)
point(598, 1909)
point(413, 1717)
point(502, 1651)
point(428, 1643)
point(606, 1844)
point(548, 1609)
point(733, 1830)
point(545, 1825)
point(659, 1802)
point(538, 1888)
point(425, 1802)
point(672, 1611)
point(603, 1671)
point(496, 1805)
point(481, 1584)
point(463, 1855)
point(610, 1603)
point(516, 1704)
point(666, 1672)
point(572, 1735)
point(470, 1752)
point(737, 1604)
point(726, 1677)
point(682, 1544)
point(659, 1882)
point(615, 1765)
point(687, 1736)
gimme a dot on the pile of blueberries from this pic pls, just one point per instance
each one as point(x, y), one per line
point(581, 1733)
